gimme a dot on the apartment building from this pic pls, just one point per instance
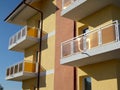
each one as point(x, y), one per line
point(27, 40)
point(78, 48)
point(1, 87)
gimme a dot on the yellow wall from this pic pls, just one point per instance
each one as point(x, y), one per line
point(49, 43)
point(100, 18)
point(48, 46)
point(118, 74)
point(46, 83)
point(30, 53)
point(104, 75)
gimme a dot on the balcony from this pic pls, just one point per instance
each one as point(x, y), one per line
point(78, 9)
point(21, 71)
point(23, 39)
point(95, 46)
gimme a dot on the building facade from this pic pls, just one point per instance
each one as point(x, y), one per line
point(1, 87)
point(79, 48)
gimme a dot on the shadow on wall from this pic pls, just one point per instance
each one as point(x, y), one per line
point(118, 81)
point(31, 84)
point(31, 52)
point(101, 71)
point(47, 6)
point(101, 16)
point(45, 40)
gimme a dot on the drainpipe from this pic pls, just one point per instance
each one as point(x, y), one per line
point(40, 41)
point(75, 69)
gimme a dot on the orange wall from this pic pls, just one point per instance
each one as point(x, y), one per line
point(64, 75)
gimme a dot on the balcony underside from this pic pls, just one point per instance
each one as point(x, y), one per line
point(21, 76)
point(22, 44)
point(94, 55)
point(82, 8)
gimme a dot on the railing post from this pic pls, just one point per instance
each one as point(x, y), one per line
point(72, 1)
point(72, 46)
point(17, 69)
point(61, 50)
point(9, 72)
point(62, 4)
point(13, 69)
point(36, 67)
point(20, 34)
point(25, 31)
point(84, 42)
point(99, 37)
point(17, 36)
point(117, 30)
point(23, 66)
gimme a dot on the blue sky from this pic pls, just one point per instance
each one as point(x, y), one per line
point(7, 57)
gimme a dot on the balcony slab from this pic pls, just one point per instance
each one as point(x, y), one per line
point(98, 54)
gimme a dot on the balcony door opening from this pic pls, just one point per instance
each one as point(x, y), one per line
point(86, 30)
point(83, 29)
point(85, 83)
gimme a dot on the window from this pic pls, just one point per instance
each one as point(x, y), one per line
point(86, 30)
point(87, 83)
point(83, 29)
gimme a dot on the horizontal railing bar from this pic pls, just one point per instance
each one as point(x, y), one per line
point(82, 40)
point(95, 30)
point(18, 66)
point(23, 28)
point(19, 63)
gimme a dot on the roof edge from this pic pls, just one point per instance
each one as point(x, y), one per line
point(13, 11)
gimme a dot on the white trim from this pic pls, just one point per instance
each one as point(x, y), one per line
point(22, 74)
point(49, 35)
point(48, 72)
point(89, 57)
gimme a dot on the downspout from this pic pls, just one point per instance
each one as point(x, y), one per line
point(40, 41)
point(75, 69)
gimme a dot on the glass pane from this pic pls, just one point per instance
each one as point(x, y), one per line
point(29, 67)
point(66, 49)
point(87, 82)
point(16, 68)
point(20, 67)
point(92, 40)
point(66, 3)
point(15, 39)
point(108, 34)
point(8, 70)
point(19, 35)
point(11, 70)
point(78, 45)
point(23, 32)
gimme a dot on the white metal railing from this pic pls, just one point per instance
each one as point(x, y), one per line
point(19, 35)
point(98, 37)
point(22, 33)
point(19, 67)
point(66, 3)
